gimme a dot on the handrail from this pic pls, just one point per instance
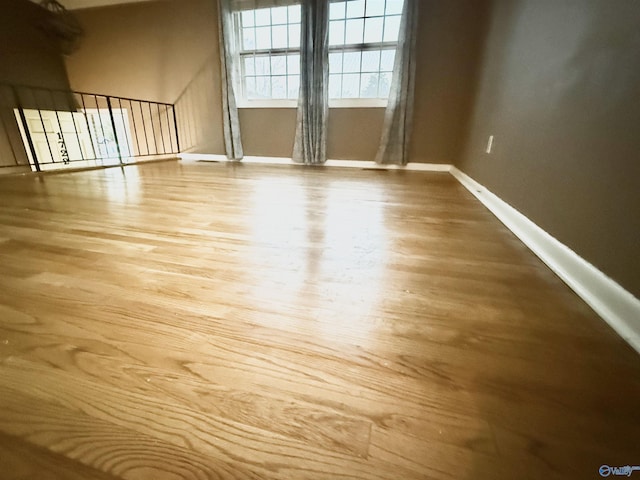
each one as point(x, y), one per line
point(57, 127)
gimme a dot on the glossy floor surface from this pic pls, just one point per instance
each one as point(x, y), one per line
point(210, 321)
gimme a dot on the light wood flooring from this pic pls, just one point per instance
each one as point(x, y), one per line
point(211, 321)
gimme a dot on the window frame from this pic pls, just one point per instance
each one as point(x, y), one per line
point(354, 102)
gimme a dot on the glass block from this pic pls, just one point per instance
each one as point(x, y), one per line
point(250, 87)
point(293, 64)
point(350, 85)
point(373, 30)
point(279, 87)
point(369, 85)
point(335, 86)
point(279, 15)
point(374, 8)
point(391, 28)
point(337, 10)
point(263, 38)
point(371, 61)
point(293, 86)
point(249, 65)
point(386, 60)
point(278, 65)
point(263, 87)
point(248, 19)
point(355, 31)
point(351, 62)
point(294, 14)
point(263, 17)
point(385, 85)
point(394, 7)
point(279, 36)
point(335, 62)
point(294, 36)
point(248, 38)
point(355, 8)
point(263, 65)
point(336, 32)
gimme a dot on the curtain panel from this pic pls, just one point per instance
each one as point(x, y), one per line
point(398, 118)
point(228, 70)
point(310, 145)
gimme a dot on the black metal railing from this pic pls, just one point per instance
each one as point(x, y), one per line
point(44, 128)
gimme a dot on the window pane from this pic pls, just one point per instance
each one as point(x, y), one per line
point(352, 62)
point(248, 38)
point(386, 63)
point(293, 64)
point(335, 86)
point(385, 85)
point(293, 86)
point(369, 85)
point(355, 31)
point(278, 65)
point(250, 87)
point(279, 15)
point(394, 7)
point(294, 36)
point(280, 36)
point(247, 18)
point(350, 85)
point(336, 33)
point(249, 66)
point(391, 28)
point(279, 87)
point(335, 62)
point(355, 8)
point(373, 30)
point(337, 10)
point(294, 14)
point(371, 61)
point(263, 65)
point(375, 8)
point(263, 87)
point(263, 38)
point(263, 16)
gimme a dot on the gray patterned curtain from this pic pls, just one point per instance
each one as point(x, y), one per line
point(313, 102)
point(230, 120)
point(398, 118)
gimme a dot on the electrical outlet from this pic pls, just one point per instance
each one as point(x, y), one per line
point(489, 144)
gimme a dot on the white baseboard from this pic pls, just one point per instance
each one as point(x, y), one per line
point(362, 164)
point(618, 307)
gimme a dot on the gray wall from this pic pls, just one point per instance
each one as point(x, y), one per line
point(559, 88)
point(28, 56)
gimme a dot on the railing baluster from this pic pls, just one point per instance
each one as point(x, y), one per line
point(175, 126)
point(25, 127)
point(113, 125)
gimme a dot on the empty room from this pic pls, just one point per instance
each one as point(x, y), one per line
point(319, 239)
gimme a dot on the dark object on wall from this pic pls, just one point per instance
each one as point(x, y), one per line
point(64, 26)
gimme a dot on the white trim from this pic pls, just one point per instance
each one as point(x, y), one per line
point(333, 103)
point(363, 164)
point(618, 307)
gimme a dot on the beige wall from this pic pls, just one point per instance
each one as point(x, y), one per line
point(559, 90)
point(155, 50)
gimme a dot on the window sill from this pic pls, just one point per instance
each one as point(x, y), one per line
point(339, 103)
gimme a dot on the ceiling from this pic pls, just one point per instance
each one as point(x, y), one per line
point(78, 4)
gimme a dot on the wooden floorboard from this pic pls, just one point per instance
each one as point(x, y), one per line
point(219, 321)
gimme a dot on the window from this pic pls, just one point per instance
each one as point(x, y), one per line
point(363, 36)
point(270, 52)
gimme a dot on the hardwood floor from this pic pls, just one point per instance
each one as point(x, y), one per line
point(210, 321)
